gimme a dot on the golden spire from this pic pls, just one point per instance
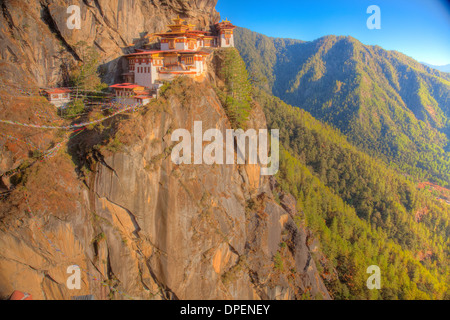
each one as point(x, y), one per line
point(178, 20)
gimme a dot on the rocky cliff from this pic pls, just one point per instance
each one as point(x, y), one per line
point(149, 228)
point(112, 202)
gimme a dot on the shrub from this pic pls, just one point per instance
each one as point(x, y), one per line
point(75, 108)
point(236, 95)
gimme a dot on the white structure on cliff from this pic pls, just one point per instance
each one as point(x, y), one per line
point(183, 51)
point(59, 97)
point(226, 36)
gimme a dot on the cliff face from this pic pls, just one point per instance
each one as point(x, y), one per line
point(152, 229)
point(138, 226)
point(36, 44)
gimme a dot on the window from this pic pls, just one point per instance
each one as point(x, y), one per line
point(171, 44)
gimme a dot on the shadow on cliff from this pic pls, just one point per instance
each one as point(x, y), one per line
point(84, 148)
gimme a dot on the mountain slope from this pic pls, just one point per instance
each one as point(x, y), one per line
point(386, 103)
point(445, 68)
point(362, 212)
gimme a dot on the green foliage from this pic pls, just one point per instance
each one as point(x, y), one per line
point(278, 262)
point(99, 238)
point(235, 271)
point(115, 145)
point(259, 53)
point(236, 94)
point(362, 212)
point(388, 104)
point(85, 74)
point(164, 88)
point(185, 89)
point(74, 108)
point(37, 154)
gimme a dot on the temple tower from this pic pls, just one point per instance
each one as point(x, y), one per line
point(225, 34)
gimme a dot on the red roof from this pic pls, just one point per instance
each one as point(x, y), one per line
point(125, 86)
point(140, 53)
point(225, 25)
point(17, 295)
point(143, 97)
point(199, 31)
point(164, 51)
point(58, 90)
point(187, 32)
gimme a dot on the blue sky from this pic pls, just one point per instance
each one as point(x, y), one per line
point(417, 28)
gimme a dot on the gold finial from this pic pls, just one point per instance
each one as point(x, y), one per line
point(178, 20)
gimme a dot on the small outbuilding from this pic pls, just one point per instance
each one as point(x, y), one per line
point(59, 97)
point(128, 93)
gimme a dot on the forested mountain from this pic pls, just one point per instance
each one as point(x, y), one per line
point(385, 112)
point(362, 212)
point(387, 104)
